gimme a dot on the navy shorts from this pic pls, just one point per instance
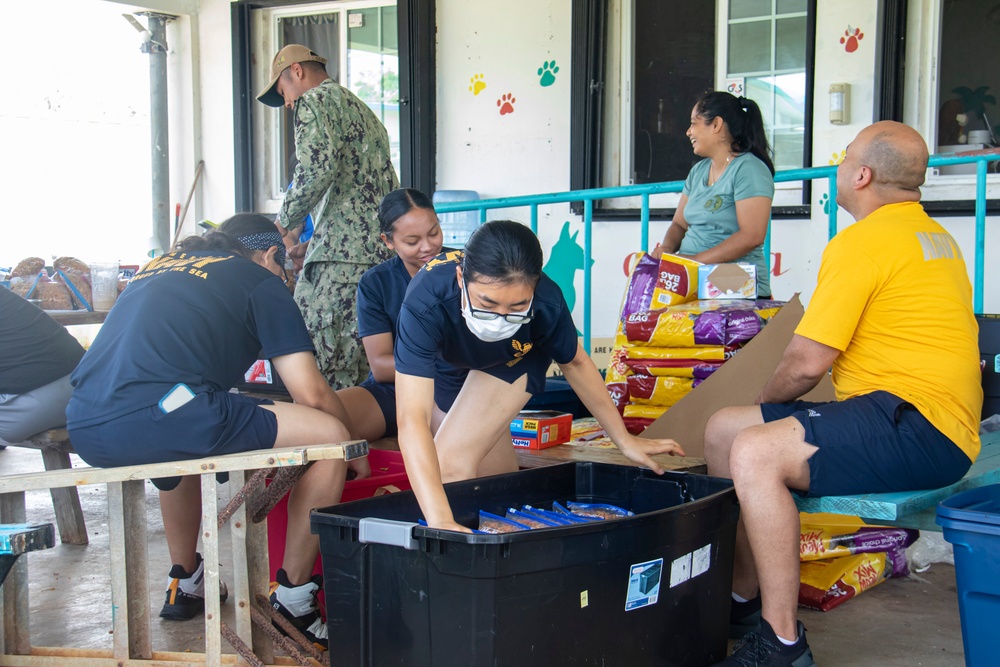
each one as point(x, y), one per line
point(384, 394)
point(534, 365)
point(210, 424)
point(874, 443)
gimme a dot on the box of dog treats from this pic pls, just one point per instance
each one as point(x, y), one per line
point(538, 429)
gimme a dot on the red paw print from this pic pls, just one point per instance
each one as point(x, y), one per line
point(851, 38)
point(506, 104)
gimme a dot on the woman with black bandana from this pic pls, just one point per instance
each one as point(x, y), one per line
point(154, 387)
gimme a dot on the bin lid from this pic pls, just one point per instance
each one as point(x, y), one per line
point(980, 505)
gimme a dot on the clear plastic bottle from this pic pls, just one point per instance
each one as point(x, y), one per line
point(457, 227)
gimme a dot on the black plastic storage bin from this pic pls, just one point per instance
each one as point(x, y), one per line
point(401, 594)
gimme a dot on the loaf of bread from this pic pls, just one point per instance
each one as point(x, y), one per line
point(72, 265)
point(28, 267)
point(52, 296)
point(82, 286)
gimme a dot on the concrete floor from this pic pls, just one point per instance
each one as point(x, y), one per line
point(905, 622)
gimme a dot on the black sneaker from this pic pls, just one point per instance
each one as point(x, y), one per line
point(186, 593)
point(764, 649)
point(298, 605)
point(744, 617)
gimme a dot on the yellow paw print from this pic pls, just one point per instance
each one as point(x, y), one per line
point(476, 84)
point(838, 157)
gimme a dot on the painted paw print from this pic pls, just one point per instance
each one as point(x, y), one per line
point(548, 72)
point(506, 104)
point(838, 157)
point(851, 38)
point(476, 84)
point(825, 203)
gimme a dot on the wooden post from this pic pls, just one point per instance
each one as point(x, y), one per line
point(16, 634)
point(210, 549)
point(65, 501)
point(119, 579)
point(140, 644)
point(250, 571)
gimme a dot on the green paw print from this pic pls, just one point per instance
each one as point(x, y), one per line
point(825, 201)
point(548, 72)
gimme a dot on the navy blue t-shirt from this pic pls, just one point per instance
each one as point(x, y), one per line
point(34, 349)
point(380, 298)
point(431, 326)
point(200, 318)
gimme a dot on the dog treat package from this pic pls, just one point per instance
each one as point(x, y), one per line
point(652, 390)
point(598, 510)
point(699, 323)
point(822, 542)
point(679, 368)
point(657, 283)
point(825, 584)
point(639, 411)
point(495, 525)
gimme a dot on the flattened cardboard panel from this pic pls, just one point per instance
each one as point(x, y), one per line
point(729, 277)
point(737, 382)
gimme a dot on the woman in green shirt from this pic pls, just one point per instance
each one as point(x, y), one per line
point(725, 206)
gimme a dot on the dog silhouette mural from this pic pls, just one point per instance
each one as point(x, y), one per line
point(565, 259)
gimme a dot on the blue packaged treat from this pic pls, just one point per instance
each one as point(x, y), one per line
point(575, 518)
point(496, 525)
point(557, 517)
point(598, 510)
point(529, 519)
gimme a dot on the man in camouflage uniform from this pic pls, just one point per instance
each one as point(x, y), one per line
point(343, 172)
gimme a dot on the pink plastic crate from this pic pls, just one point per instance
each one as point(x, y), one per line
point(388, 476)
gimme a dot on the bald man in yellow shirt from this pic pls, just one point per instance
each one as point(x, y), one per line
point(892, 315)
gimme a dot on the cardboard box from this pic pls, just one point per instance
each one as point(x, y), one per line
point(737, 382)
point(727, 281)
point(538, 429)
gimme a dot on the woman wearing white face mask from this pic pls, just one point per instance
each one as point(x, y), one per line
point(492, 311)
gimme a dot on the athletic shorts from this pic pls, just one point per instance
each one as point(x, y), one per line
point(210, 424)
point(874, 443)
point(384, 394)
point(534, 365)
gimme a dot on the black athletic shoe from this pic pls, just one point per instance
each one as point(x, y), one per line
point(764, 649)
point(186, 593)
point(744, 617)
point(298, 605)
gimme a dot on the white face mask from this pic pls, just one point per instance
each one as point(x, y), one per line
point(490, 331)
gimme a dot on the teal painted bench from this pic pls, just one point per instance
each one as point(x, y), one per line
point(911, 509)
point(20, 538)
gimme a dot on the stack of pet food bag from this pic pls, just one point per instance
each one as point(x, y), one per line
point(667, 342)
point(841, 557)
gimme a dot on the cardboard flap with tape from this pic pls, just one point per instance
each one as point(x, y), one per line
point(736, 382)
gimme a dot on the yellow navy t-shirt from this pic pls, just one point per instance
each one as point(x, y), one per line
point(893, 295)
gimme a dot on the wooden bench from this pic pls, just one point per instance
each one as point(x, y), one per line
point(911, 509)
point(55, 447)
point(128, 558)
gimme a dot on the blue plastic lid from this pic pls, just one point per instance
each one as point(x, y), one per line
point(980, 505)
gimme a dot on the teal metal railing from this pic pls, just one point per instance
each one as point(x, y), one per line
point(645, 190)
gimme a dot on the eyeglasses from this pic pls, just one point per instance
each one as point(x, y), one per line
point(489, 315)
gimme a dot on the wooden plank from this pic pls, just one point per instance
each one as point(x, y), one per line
point(210, 549)
point(69, 318)
point(119, 578)
point(270, 458)
point(77, 657)
point(16, 626)
point(140, 637)
point(896, 506)
point(532, 458)
point(65, 501)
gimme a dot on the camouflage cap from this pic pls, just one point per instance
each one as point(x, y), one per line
point(288, 56)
